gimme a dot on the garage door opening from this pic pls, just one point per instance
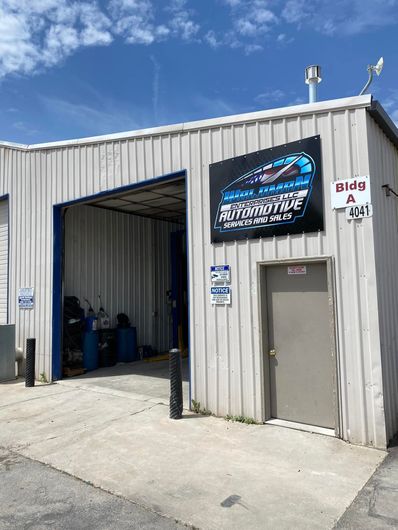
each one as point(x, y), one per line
point(124, 296)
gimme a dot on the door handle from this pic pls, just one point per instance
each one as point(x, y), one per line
point(272, 353)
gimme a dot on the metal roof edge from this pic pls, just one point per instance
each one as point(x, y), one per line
point(269, 114)
point(13, 145)
point(384, 121)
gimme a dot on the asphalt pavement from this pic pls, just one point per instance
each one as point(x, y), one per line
point(35, 496)
point(376, 505)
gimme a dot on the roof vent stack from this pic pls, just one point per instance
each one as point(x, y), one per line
point(312, 79)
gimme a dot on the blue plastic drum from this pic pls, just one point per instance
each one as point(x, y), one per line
point(90, 350)
point(126, 339)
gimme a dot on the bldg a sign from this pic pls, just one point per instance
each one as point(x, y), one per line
point(350, 192)
point(272, 192)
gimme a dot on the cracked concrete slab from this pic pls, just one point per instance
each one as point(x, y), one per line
point(200, 470)
point(376, 506)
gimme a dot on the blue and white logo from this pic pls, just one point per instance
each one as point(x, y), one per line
point(274, 193)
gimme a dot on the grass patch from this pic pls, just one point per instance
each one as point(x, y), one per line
point(196, 408)
point(241, 419)
point(43, 378)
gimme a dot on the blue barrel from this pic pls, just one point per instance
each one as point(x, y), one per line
point(126, 339)
point(90, 350)
point(91, 323)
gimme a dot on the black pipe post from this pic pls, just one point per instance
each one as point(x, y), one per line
point(30, 362)
point(175, 384)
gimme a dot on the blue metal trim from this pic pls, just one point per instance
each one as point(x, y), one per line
point(57, 292)
point(188, 290)
point(175, 309)
point(57, 257)
point(6, 197)
point(127, 187)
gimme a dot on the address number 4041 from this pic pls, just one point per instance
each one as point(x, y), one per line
point(358, 212)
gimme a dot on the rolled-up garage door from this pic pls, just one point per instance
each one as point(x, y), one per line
point(3, 261)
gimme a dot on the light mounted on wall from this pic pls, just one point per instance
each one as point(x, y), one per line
point(373, 69)
point(389, 190)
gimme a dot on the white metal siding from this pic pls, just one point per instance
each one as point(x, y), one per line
point(125, 259)
point(227, 364)
point(3, 262)
point(384, 170)
point(226, 350)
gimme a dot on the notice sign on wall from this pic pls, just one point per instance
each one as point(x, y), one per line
point(220, 295)
point(275, 191)
point(220, 273)
point(350, 192)
point(25, 298)
point(296, 269)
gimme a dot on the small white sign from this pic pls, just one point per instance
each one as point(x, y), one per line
point(350, 192)
point(297, 269)
point(220, 273)
point(359, 212)
point(220, 295)
point(26, 298)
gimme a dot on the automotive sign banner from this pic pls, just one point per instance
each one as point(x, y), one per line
point(272, 192)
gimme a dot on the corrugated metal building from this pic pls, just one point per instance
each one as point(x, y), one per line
point(115, 239)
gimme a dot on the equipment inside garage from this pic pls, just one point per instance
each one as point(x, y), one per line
point(125, 278)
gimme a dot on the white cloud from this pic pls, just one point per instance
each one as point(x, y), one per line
point(282, 38)
point(251, 48)
point(24, 128)
point(134, 20)
point(341, 17)
point(181, 21)
point(251, 20)
point(297, 101)
point(99, 117)
point(277, 96)
point(37, 34)
point(212, 40)
point(213, 106)
point(270, 95)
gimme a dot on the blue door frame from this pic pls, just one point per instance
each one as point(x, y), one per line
point(6, 197)
point(176, 240)
point(58, 244)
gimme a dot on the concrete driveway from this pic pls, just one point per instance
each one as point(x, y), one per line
point(202, 471)
point(37, 497)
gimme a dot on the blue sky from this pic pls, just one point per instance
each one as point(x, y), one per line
point(72, 68)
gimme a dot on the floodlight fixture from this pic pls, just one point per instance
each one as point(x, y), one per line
point(373, 69)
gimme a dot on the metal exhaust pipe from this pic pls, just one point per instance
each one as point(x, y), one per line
point(312, 79)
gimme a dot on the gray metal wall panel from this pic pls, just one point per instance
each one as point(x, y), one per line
point(384, 170)
point(227, 364)
point(3, 261)
point(227, 356)
point(125, 259)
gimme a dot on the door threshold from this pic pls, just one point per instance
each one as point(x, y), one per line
point(301, 427)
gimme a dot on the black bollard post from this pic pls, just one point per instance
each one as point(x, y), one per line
point(175, 384)
point(30, 362)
